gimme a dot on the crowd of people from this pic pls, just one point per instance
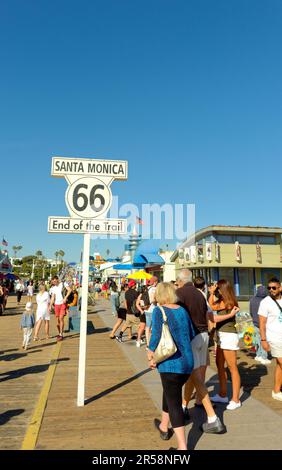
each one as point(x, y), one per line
point(196, 313)
point(58, 296)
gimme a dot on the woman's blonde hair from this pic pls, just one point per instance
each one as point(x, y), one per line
point(165, 293)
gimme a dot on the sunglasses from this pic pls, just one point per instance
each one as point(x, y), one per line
point(273, 288)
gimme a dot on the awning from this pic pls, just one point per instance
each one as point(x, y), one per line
point(123, 267)
point(148, 258)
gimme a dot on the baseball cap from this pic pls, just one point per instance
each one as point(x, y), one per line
point(131, 283)
point(28, 306)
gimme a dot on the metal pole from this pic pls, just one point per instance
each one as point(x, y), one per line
point(83, 322)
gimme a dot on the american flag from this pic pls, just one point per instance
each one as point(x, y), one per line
point(4, 242)
point(139, 221)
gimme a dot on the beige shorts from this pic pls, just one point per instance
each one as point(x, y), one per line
point(131, 320)
point(200, 350)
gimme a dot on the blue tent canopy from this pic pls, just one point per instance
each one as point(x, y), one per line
point(147, 253)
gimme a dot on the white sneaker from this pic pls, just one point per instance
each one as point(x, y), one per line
point(265, 362)
point(233, 405)
point(277, 396)
point(218, 399)
point(258, 358)
point(138, 344)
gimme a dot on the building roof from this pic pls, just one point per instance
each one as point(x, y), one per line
point(227, 229)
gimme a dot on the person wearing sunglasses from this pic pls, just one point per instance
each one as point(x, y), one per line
point(270, 323)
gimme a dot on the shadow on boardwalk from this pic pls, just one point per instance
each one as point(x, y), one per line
point(15, 374)
point(8, 415)
point(116, 387)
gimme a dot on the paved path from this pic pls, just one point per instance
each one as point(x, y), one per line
point(123, 396)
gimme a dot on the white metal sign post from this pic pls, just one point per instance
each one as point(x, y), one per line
point(88, 199)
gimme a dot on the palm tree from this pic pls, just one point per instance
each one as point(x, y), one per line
point(61, 254)
point(57, 255)
point(16, 248)
point(39, 254)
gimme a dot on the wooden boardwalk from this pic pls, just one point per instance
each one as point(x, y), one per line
point(22, 375)
point(119, 413)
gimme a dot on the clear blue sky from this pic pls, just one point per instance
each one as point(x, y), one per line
point(188, 91)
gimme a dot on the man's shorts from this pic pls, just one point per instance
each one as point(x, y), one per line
point(60, 310)
point(200, 345)
point(276, 349)
point(131, 320)
point(149, 316)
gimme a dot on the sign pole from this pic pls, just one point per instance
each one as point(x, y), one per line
point(83, 322)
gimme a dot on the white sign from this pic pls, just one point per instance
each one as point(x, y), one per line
point(193, 254)
point(88, 198)
point(72, 225)
point(187, 255)
point(209, 251)
point(65, 166)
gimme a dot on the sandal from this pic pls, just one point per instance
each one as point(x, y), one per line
point(35, 338)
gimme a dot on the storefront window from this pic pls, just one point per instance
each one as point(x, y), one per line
point(246, 282)
point(227, 274)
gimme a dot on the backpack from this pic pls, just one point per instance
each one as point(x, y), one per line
point(146, 299)
point(70, 298)
point(246, 329)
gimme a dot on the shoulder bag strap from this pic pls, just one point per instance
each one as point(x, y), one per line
point(163, 313)
point(278, 305)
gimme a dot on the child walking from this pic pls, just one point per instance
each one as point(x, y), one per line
point(27, 324)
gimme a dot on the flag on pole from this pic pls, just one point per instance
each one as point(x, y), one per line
point(4, 242)
point(139, 221)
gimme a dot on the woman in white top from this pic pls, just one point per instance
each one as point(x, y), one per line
point(43, 312)
point(30, 291)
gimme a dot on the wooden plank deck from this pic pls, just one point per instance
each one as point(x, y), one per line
point(119, 413)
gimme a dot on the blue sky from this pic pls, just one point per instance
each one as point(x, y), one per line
point(189, 92)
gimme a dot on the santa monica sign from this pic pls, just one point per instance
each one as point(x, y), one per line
point(88, 195)
point(88, 198)
point(62, 166)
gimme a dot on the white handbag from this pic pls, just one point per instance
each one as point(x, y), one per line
point(166, 347)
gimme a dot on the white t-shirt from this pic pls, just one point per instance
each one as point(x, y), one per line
point(271, 311)
point(42, 303)
point(152, 292)
point(58, 291)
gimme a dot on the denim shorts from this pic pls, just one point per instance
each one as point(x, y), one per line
point(149, 316)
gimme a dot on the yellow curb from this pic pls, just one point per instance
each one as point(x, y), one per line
point(33, 429)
